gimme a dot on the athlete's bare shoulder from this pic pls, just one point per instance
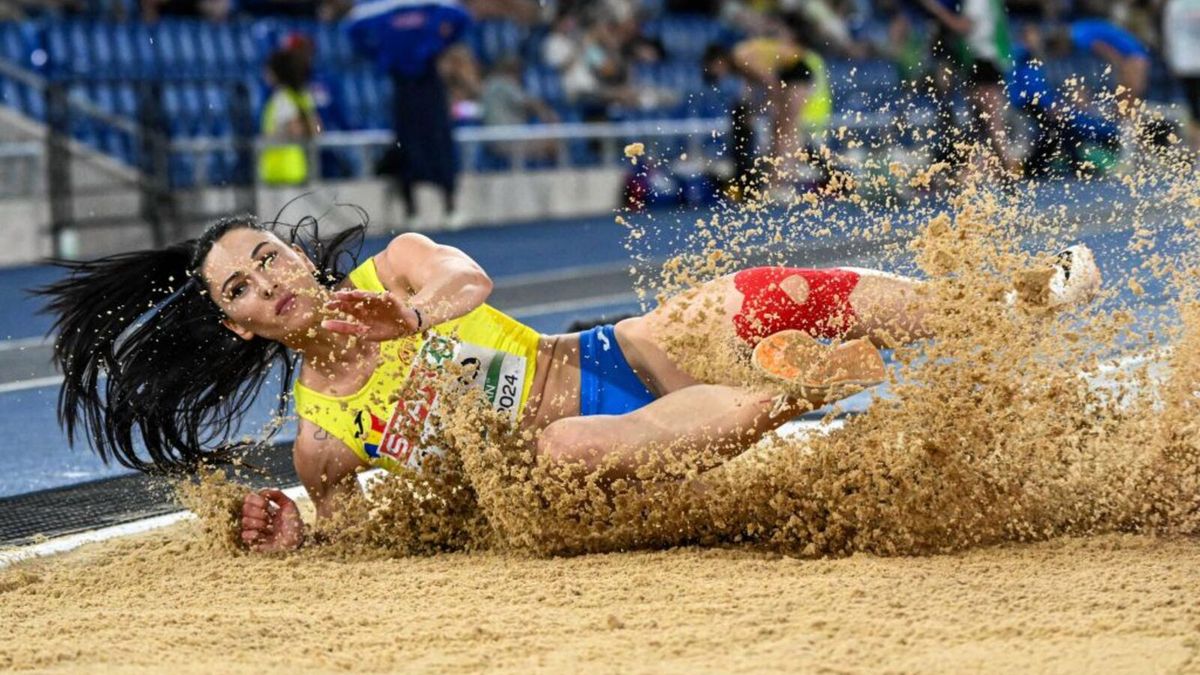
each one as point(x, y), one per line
point(321, 459)
point(412, 260)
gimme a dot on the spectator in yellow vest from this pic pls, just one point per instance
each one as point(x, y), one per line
point(289, 120)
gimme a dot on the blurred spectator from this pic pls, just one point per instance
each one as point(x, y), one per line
point(831, 26)
point(506, 102)
point(593, 75)
point(406, 40)
point(213, 10)
point(788, 78)
point(1064, 131)
point(905, 43)
point(329, 97)
point(289, 120)
point(460, 71)
point(1181, 37)
point(1128, 57)
point(722, 88)
point(971, 43)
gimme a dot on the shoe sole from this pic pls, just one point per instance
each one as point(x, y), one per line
point(792, 356)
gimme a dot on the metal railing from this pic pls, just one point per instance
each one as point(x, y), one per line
point(519, 141)
point(609, 136)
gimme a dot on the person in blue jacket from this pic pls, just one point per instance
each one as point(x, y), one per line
point(405, 38)
point(1129, 58)
point(1063, 131)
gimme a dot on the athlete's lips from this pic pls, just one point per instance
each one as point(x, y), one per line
point(284, 303)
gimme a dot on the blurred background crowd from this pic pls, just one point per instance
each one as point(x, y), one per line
point(769, 77)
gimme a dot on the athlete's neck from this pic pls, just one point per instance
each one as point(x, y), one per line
point(332, 355)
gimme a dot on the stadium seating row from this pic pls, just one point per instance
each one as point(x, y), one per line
point(199, 64)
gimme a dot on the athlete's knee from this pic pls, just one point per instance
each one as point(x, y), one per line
point(568, 441)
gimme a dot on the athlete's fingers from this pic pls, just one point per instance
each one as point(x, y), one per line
point(250, 536)
point(344, 327)
point(275, 495)
point(357, 300)
point(254, 499)
point(357, 294)
point(254, 511)
point(356, 309)
point(253, 523)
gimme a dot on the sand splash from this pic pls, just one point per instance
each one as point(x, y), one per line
point(1017, 423)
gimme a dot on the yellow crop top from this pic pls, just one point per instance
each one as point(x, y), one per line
point(386, 422)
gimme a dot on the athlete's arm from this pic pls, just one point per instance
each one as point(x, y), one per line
point(427, 284)
point(326, 467)
point(443, 282)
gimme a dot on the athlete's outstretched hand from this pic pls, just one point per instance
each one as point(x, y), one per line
point(271, 522)
point(372, 316)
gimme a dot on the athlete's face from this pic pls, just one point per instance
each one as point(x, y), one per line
point(264, 287)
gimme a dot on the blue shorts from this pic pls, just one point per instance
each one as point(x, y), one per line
point(607, 385)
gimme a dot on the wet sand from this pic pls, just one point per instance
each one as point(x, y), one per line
point(165, 602)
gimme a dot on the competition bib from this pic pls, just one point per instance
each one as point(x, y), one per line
point(405, 437)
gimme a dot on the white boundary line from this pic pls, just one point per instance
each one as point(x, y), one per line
point(25, 343)
point(74, 541)
point(35, 383)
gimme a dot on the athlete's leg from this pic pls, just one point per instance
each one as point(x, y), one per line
point(698, 427)
point(824, 303)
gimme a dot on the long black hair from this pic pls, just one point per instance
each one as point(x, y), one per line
point(143, 352)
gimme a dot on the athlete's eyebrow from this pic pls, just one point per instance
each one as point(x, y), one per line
point(233, 276)
point(253, 255)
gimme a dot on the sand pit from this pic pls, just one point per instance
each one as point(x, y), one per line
point(164, 603)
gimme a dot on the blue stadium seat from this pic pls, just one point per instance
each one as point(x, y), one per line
point(58, 48)
point(352, 102)
point(101, 50)
point(13, 43)
point(333, 46)
point(685, 37)
point(495, 39)
point(172, 108)
point(177, 48)
point(376, 90)
point(126, 101)
point(10, 94)
point(208, 49)
point(215, 105)
point(149, 50)
point(124, 52)
point(246, 50)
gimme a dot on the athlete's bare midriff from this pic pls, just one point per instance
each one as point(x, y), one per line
point(555, 391)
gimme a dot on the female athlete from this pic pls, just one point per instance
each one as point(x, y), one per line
point(171, 346)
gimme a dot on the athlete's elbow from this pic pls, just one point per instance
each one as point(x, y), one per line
point(482, 284)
